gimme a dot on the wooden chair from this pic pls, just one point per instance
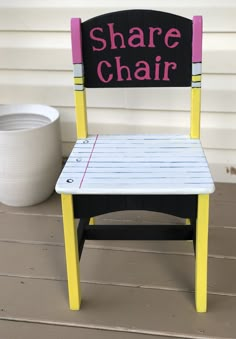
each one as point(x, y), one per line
point(162, 173)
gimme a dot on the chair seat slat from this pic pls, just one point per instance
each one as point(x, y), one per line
point(96, 166)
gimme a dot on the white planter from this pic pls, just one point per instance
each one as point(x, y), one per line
point(30, 153)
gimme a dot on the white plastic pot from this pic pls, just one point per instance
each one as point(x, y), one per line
point(30, 153)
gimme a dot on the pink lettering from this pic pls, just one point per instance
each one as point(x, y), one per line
point(138, 36)
point(120, 69)
point(172, 33)
point(142, 73)
point(152, 30)
point(168, 65)
point(101, 40)
point(101, 65)
point(157, 67)
point(114, 36)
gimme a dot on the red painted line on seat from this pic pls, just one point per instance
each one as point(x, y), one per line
point(86, 168)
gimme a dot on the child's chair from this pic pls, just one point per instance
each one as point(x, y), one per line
point(162, 173)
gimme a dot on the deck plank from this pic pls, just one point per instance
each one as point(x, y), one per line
point(224, 192)
point(20, 330)
point(31, 228)
point(117, 308)
point(49, 207)
point(222, 213)
point(161, 271)
point(49, 230)
point(116, 300)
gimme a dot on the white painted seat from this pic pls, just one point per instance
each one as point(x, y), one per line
point(136, 164)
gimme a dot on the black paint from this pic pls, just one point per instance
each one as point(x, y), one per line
point(124, 21)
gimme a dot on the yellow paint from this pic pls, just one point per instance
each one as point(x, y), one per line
point(79, 81)
point(196, 78)
point(71, 249)
point(81, 114)
point(201, 253)
point(188, 222)
point(195, 113)
point(92, 221)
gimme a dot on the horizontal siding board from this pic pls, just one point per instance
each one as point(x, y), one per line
point(158, 118)
point(218, 129)
point(217, 138)
point(39, 17)
point(35, 59)
point(222, 164)
point(55, 88)
point(218, 95)
point(51, 51)
point(31, 40)
point(219, 51)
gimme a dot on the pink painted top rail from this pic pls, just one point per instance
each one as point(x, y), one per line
point(76, 41)
point(197, 39)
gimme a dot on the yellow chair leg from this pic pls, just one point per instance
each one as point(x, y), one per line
point(187, 222)
point(71, 249)
point(201, 253)
point(92, 221)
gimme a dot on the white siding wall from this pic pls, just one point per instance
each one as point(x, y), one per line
point(35, 67)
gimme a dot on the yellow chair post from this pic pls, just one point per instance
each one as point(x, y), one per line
point(195, 112)
point(196, 77)
point(201, 253)
point(187, 221)
point(71, 249)
point(92, 221)
point(81, 114)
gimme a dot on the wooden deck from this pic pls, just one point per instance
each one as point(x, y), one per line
point(130, 289)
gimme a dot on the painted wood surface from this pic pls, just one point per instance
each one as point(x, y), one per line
point(165, 270)
point(18, 330)
point(136, 164)
point(39, 16)
point(21, 49)
point(120, 308)
point(154, 49)
point(135, 303)
point(49, 86)
point(43, 230)
point(35, 63)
